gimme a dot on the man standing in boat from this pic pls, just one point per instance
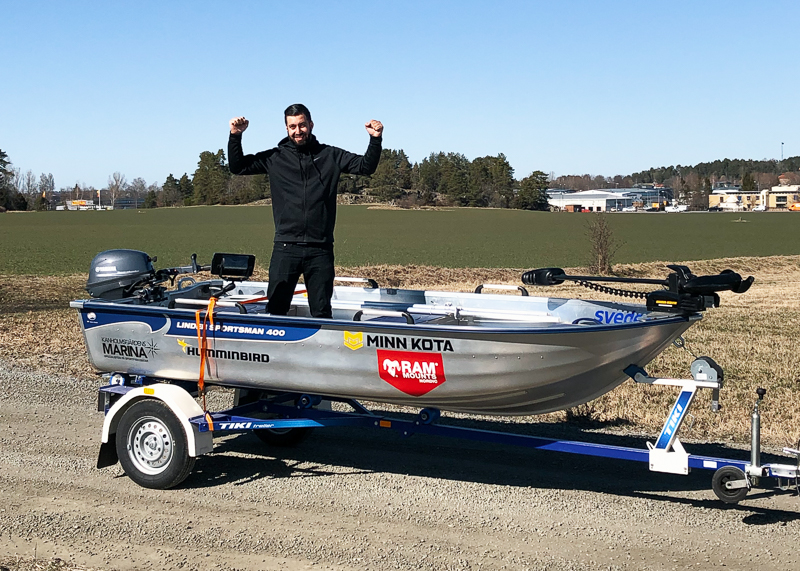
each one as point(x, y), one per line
point(303, 177)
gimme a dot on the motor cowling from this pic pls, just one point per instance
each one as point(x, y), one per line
point(116, 274)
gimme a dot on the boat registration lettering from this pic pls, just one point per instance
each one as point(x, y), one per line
point(608, 317)
point(412, 373)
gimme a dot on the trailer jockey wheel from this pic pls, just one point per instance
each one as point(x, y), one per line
point(730, 474)
point(151, 446)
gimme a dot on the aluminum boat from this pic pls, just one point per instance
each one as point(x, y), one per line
point(480, 353)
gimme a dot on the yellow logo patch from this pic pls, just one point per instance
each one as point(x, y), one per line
point(353, 340)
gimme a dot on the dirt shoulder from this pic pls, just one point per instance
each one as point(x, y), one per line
point(353, 499)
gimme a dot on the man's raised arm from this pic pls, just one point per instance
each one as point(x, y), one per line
point(238, 162)
point(366, 164)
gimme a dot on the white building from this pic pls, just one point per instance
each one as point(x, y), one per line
point(591, 200)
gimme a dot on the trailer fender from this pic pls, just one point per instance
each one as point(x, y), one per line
point(180, 402)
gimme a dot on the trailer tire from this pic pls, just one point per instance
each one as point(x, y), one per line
point(282, 437)
point(152, 446)
point(729, 474)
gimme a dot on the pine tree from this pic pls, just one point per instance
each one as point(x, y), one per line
point(532, 194)
point(748, 183)
point(171, 191)
point(150, 200)
point(210, 180)
point(186, 189)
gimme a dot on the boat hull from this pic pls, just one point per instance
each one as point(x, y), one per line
point(488, 369)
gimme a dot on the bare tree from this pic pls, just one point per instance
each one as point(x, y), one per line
point(47, 184)
point(116, 186)
point(137, 189)
point(17, 181)
point(766, 180)
point(602, 243)
point(31, 188)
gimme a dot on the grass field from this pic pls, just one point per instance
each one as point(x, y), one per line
point(752, 335)
point(60, 243)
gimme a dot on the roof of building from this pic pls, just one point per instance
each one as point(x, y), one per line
point(597, 194)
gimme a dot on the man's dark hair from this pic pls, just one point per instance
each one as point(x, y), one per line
point(296, 109)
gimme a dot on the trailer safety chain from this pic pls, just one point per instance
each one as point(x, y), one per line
point(611, 290)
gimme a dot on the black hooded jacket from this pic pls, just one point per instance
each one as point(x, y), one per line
point(303, 182)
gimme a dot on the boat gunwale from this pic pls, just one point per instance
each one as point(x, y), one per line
point(428, 328)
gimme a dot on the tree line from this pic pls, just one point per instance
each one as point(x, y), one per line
point(441, 178)
point(20, 191)
point(448, 179)
point(24, 191)
point(693, 184)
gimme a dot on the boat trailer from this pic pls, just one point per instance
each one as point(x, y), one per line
point(157, 429)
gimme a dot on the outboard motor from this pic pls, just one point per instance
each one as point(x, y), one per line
point(117, 274)
point(129, 274)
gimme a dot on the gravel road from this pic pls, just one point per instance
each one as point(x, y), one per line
point(352, 499)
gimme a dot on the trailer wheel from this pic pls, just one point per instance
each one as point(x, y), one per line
point(729, 474)
point(283, 437)
point(152, 447)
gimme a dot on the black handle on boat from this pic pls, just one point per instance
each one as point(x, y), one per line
point(384, 313)
point(369, 281)
point(520, 289)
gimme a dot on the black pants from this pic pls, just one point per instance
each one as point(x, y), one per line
point(291, 260)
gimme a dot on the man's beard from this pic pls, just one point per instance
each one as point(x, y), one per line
point(303, 142)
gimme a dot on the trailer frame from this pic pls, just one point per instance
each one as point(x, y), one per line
point(193, 434)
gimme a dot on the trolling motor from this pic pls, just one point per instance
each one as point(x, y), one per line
point(121, 274)
point(684, 293)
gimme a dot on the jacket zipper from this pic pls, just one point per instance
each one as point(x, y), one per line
point(305, 199)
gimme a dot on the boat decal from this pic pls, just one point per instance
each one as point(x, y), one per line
point(353, 340)
point(100, 318)
point(224, 354)
point(412, 373)
point(129, 349)
point(609, 317)
point(408, 343)
point(250, 332)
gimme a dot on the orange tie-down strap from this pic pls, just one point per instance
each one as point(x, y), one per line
point(202, 346)
point(202, 343)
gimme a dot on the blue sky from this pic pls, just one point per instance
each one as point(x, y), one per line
point(571, 87)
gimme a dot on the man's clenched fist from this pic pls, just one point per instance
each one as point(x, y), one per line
point(374, 128)
point(238, 125)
